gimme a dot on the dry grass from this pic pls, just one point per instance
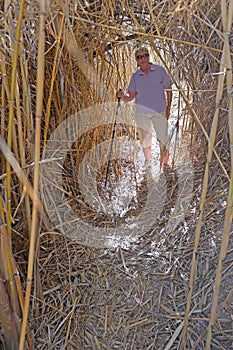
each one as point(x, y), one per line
point(168, 289)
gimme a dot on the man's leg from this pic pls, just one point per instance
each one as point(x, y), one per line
point(160, 125)
point(147, 153)
point(144, 125)
point(164, 155)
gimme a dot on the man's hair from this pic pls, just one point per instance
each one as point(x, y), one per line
point(141, 48)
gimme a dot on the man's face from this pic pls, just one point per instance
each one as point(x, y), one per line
point(142, 57)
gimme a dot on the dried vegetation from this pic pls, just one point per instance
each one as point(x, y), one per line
point(168, 289)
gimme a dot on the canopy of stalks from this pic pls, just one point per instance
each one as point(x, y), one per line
point(62, 284)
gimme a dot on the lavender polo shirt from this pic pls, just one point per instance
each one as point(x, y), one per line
point(150, 89)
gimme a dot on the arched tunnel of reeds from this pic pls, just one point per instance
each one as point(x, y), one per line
point(96, 253)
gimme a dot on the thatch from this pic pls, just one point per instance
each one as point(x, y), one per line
point(168, 288)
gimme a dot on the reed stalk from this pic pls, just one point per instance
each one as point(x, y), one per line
point(10, 313)
point(11, 109)
point(89, 55)
point(227, 15)
point(3, 117)
point(19, 172)
point(202, 202)
point(7, 319)
point(48, 108)
point(39, 111)
point(202, 205)
point(10, 333)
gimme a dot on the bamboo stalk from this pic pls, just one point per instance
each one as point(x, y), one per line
point(202, 201)
point(8, 319)
point(7, 259)
point(26, 128)
point(18, 171)
point(11, 110)
point(227, 13)
point(13, 299)
point(8, 254)
point(9, 286)
point(27, 97)
point(148, 36)
point(48, 108)
point(106, 36)
point(39, 110)
point(3, 95)
point(2, 215)
point(84, 65)
point(26, 215)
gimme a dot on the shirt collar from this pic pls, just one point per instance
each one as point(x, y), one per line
point(151, 68)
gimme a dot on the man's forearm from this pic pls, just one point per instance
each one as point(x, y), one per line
point(127, 98)
point(169, 98)
point(169, 102)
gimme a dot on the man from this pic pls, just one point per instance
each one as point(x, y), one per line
point(150, 86)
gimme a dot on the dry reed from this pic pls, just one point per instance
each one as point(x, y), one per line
point(169, 289)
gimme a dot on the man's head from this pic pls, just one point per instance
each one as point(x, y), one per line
point(141, 53)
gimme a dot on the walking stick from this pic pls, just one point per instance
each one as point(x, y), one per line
point(177, 131)
point(165, 151)
point(177, 135)
point(112, 140)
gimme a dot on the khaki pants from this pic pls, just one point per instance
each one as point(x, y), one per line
point(145, 123)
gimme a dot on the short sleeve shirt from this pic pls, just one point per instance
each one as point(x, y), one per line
point(149, 88)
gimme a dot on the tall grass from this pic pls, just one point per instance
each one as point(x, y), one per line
point(58, 59)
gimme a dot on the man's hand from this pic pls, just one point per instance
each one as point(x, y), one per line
point(168, 112)
point(120, 93)
point(126, 97)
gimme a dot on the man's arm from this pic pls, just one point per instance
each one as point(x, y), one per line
point(128, 97)
point(169, 101)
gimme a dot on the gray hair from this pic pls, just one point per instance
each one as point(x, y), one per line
point(142, 48)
